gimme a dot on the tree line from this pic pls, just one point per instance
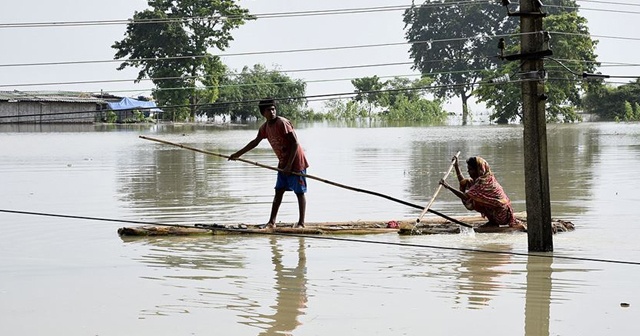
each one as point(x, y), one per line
point(453, 45)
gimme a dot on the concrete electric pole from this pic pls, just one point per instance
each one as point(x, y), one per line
point(534, 45)
point(536, 169)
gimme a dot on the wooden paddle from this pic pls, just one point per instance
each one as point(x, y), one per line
point(311, 177)
point(453, 160)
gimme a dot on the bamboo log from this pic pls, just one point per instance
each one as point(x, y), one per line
point(453, 160)
point(404, 227)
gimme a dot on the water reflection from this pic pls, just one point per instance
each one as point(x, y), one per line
point(215, 255)
point(291, 288)
point(215, 269)
point(45, 128)
point(211, 267)
point(480, 274)
point(174, 185)
point(538, 300)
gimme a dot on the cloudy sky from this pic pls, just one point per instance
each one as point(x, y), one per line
point(610, 22)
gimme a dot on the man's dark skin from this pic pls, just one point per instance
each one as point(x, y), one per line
point(270, 114)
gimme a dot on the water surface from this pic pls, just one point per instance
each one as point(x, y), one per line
point(61, 276)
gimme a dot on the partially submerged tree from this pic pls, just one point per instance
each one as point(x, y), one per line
point(171, 42)
point(398, 99)
point(610, 103)
point(368, 92)
point(240, 93)
point(349, 110)
point(451, 41)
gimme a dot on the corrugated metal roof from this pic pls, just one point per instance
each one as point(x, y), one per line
point(49, 96)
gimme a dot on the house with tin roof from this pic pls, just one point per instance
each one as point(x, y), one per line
point(36, 107)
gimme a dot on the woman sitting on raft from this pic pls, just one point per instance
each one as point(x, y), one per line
point(484, 194)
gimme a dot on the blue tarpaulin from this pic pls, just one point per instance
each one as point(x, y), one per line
point(131, 104)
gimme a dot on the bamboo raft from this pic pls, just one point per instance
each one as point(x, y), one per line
point(403, 227)
point(406, 227)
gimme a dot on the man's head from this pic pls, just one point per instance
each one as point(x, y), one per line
point(267, 102)
point(267, 105)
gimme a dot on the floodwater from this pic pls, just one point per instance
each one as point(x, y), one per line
point(70, 276)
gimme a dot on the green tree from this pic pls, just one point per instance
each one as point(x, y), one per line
point(350, 110)
point(398, 99)
point(240, 92)
point(423, 110)
point(573, 53)
point(608, 102)
point(368, 91)
point(628, 112)
point(170, 44)
point(452, 41)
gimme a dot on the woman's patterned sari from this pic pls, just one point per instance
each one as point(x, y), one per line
point(487, 196)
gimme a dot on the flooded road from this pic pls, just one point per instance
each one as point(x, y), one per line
point(63, 276)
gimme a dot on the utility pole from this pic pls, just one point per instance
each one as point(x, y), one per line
point(536, 169)
point(534, 45)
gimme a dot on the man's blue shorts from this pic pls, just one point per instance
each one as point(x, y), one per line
point(295, 183)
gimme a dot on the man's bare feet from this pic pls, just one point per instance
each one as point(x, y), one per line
point(268, 226)
point(299, 225)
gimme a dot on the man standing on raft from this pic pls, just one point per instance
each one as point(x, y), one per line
point(284, 142)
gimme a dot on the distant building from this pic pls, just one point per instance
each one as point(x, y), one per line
point(36, 107)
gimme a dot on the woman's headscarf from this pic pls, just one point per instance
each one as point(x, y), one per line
point(485, 189)
point(482, 166)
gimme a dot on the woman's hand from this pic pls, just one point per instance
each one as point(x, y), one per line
point(455, 161)
point(444, 184)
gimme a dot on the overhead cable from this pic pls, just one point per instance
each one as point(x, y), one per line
point(357, 10)
point(251, 53)
point(351, 240)
point(224, 85)
point(283, 15)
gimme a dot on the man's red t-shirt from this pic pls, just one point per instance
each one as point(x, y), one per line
point(276, 132)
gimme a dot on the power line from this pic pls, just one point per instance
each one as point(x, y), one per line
point(308, 98)
point(610, 3)
point(580, 8)
point(194, 18)
point(357, 10)
point(351, 240)
point(596, 36)
point(320, 97)
point(101, 61)
point(251, 53)
point(287, 15)
point(602, 64)
point(285, 71)
point(327, 96)
point(267, 52)
point(229, 74)
point(224, 85)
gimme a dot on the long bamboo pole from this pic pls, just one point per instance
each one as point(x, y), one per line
point(453, 160)
point(311, 177)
